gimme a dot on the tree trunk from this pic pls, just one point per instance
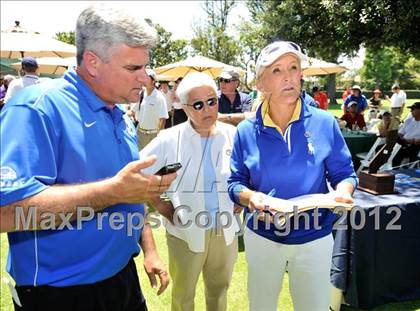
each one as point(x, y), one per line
point(331, 89)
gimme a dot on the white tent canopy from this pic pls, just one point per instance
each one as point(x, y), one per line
point(194, 64)
point(316, 67)
point(52, 65)
point(17, 42)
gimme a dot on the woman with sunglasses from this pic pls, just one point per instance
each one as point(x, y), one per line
point(201, 232)
point(290, 149)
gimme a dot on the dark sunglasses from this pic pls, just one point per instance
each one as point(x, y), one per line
point(227, 80)
point(200, 104)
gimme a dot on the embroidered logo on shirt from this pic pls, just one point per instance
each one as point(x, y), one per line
point(8, 177)
point(87, 125)
point(129, 128)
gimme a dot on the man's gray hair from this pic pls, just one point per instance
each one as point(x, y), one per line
point(102, 27)
point(192, 81)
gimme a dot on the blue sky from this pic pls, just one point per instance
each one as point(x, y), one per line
point(49, 17)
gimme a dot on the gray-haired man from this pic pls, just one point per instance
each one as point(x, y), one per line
point(76, 148)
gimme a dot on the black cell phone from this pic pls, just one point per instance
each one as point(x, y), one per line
point(169, 169)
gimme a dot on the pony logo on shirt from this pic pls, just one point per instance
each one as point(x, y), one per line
point(311, 149)
point(8, 177)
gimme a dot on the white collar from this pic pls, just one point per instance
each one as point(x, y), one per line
point(191, 132)
point(31, 76)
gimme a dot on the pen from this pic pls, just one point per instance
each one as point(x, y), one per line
point(272, 192)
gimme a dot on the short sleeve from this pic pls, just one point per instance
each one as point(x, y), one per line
point(11, 90)
point(403, 129)
point(28, 157)
point(163, 113)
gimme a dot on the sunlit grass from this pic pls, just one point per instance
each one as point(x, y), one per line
point(237, 295)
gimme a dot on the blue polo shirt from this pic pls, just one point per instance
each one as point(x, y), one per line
point(60, 132)
point(242, 103)
point(361, 102)
point(301, 162)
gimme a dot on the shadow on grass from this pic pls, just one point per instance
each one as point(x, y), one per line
point(241, 245)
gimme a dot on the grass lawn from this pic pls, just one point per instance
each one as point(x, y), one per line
point(237, 296)
point(336, 109)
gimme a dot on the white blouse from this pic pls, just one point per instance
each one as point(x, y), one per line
point(182, 144)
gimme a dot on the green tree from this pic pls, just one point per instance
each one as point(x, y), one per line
point(412, 68)
point(328, 29)
point(383, 67)
point(252, 41)
point(167, 50)
point(67, 37)
point(211, 38)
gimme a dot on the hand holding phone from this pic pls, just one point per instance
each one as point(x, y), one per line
point(169, 169)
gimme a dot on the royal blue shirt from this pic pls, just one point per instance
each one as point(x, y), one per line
point(360, 100)
point(298, 164)
point(60, 132)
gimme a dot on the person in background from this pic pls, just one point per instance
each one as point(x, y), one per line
point(320, 97)
point(387, 123)
point(354, 120)
point(179, 115)
point(73, 154)
point(5, 81)
point(233, 104)
point(30, 77)
point(357, 97)
point(347, 92)
point(398, 100)
point(151, 113)
point(376, 101)
point(202, 145)
point(167, 93)
point(254, 93)
point(374, 108)
point(309, 100)
point(409, 137)
point(341, 123)
point(310, 153)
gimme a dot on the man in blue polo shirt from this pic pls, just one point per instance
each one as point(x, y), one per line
point(73, 156)
point(357, 97)
point(233, 105)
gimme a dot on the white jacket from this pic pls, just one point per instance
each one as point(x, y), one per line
point(182, 144)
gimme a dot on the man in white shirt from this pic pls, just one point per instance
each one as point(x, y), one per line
point(168, 94)
point(409, 137)
point(397, 100)
point(29, 68)
point(151, 112)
